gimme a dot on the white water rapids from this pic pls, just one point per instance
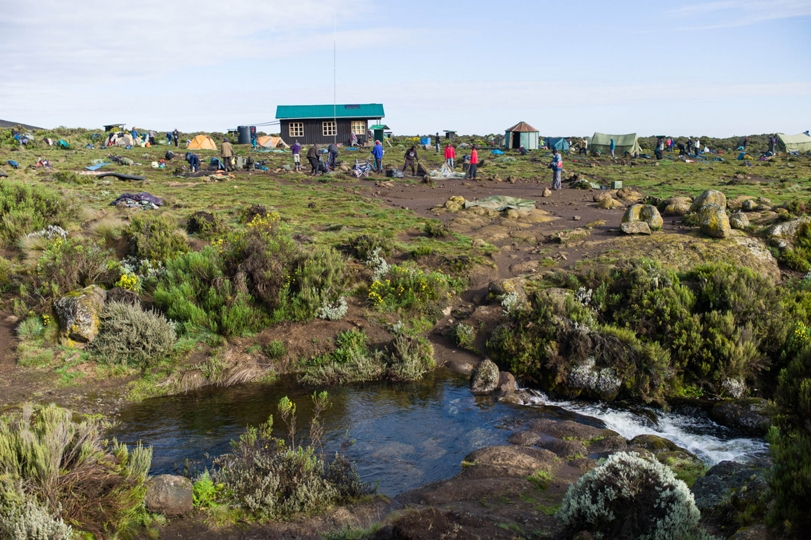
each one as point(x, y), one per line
point(709, 441)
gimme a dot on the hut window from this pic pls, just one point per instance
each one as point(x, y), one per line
point(328, 129)
point(358, 127)
point(297, 129)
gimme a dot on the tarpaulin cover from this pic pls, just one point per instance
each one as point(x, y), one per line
point(139, 197)
point(502, 202)
point(96, 166)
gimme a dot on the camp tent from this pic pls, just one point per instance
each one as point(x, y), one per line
point(521, 134)
point(794, 143)
point(268, 141)
point(124, 140)
point(623, 143)
point(202, 142)
point(558, 143)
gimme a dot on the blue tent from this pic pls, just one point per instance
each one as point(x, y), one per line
point(557, 142)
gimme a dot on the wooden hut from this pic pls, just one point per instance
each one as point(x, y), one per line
point(521, 134)
point(324, 124)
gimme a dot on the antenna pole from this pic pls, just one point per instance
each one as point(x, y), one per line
point(335, 76)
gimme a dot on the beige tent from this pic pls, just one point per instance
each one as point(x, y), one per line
point(202, 142)
point(124, 140)
point(268, 141)
point(794, 143)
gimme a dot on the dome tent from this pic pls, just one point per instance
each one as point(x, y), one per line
point(521, 134)
point(202, 142)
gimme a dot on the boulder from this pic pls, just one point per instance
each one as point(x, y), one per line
point(78, 313)
point(729, 487)
point(627, 194)
point(568, 429)
point(710, 196)
point(608, 203)
point(523, 438)
point(749, 205)
point(755, 532)
point(571, 449)
point(601, 196)
point(784, 234)
point(455, 203)
point(601, 382)
point(637, 227)
point(546, 192)
point(509, 461)
point(653, 443)
point(686, 466)
point(169, 495)
point(713, 221)
point(676, 209)
point(506, 382)
point(643, 212)
point(500, 287)
point(751, 414)
point(485, 378)
point(738, 220)
point(633, 214)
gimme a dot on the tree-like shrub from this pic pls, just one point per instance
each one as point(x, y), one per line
point(629, 497)
point(364, 245)
point(53, 462)
point(132, 337)
point(154, 237)
point(271, 478)
point(790, 439)
point(318, 278)
point(70, 264)
point(26, 208)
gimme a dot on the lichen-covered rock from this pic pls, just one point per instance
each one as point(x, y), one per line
point(510, 461)
point(455, 203)
point(784, 234)
point(738, 220)
point(571, 449)
point(650, 215)
point(603, 382)
point(676, 206)
point(168, 494)
point(633, 213)
point(749, 205)
point(609, 203)
point(710, 196)
point(636, 227)
point(713, 221)
point(653, 443)
point(485, 378)
point(752, 414)
point(78, 313)
point(686, 466)
point(729, 486)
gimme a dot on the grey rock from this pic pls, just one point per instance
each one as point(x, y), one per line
point(170, 495)
point(485, 378)
point(710, 196)
point(738, 220)
point(749, 205)
point(752, 414)
point(636, 227)
point(78, 313)
point(729, 486)
point(755, 532)
point(564, 449)
point(784, 234)
point(523, 438)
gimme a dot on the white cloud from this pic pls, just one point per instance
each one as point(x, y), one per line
point(726, 14)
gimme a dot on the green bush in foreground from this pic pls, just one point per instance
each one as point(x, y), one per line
point(270, 478)
point(629, 497)
point(26, 208)
point(132, 337)
point(63, 468)
point(70, 264)
point(154, 237)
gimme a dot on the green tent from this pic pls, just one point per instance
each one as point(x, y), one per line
point(794, 143)
point(623, 143)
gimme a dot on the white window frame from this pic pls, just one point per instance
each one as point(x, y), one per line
point(329, 128)
point(296, 129)
point(358, 127)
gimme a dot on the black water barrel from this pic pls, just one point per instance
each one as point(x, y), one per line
point(244, 134)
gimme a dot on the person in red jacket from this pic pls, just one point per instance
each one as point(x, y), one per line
point(474, 163)
point(450, 155)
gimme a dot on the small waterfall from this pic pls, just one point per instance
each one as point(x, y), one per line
point(709, 441)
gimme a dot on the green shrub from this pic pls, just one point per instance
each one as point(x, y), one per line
point(409, 358)
point(364, 246)
point(6, 273)
point(132, 337)
point(205, 225)
point(799, 256)
point(26, 208)
point(318, 279)
point(350, 362)
point(53, 462)
point(70, 264)
point(195, 292)
point(275, 349)
point(70, 177)
point(271, 478)
point(205, 492)
point(154, 237)
point(28, 520)
point(436, 229)
point(631, 497)
point(790, 439)
point(464, 336)
point(408, 287)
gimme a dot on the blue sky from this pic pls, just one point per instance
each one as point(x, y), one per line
point(714, 68)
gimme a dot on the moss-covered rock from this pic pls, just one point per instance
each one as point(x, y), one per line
point(78, 313)
point(685, 466)
point(485, 378)
point(710, 196)
point(784, 234)
point(643, 212)
point(637, 227)
point(713, 221)
point(751, 414)
point(738, 220)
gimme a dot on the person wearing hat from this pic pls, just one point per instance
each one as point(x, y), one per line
point(557, 169)
point(378, 152)
point(227, 154)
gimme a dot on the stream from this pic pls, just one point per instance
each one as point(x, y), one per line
point(405, 435)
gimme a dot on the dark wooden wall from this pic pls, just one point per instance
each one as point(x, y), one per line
point(313, 131)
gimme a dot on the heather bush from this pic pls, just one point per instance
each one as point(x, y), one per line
point(629, 497)
point(72, 263)
point(318, 278)
point(408, 358)
point(61, 466)
point(464, 336)
point(154, 237)
point(28, 520)
point(350, 362)
point(363, 246)
point(205, 225)
point(26, 208)
point(408, 287)
point(270, 478)
point(132, 337)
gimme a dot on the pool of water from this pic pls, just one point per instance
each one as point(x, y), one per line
point(405, 435)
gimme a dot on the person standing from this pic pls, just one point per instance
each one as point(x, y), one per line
point(670, 144)
point(557, 167)
point(296, 149)
point(378, 152)
point(176, 136)
point(660, 147)
point(474, 163)
point(312, 157)
point(333, 156)
point(584, 146)
point(227, 153)
point(611, 146)
point(450, 155)
point(437, 144)
point(697, 146)
point(689, 146)
point(773, 144)
point(353, 140)
point(411, 160)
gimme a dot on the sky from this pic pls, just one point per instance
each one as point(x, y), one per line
point(713, 68)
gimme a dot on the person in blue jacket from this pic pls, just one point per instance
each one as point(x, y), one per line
point(557, 169)
point(612, 146)
point(378, 152)
point(194, 161)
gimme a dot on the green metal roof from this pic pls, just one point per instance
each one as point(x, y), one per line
point(306, 112)
point(378, 127)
